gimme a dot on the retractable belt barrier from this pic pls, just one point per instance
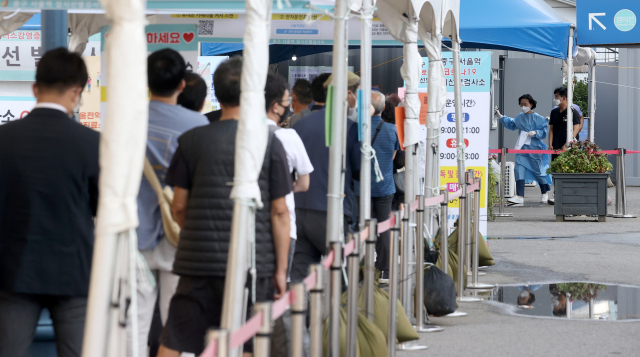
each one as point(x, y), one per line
point(621, 184)
point(221, 342)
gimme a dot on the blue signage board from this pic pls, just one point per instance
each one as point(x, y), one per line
point(610, 22)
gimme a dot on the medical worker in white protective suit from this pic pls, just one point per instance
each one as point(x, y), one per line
point(532, 128)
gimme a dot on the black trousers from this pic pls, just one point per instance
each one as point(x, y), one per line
point(311, 245)
point(19, 315)
point(380, 210)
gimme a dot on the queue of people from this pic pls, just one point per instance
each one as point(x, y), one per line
point(49, 195)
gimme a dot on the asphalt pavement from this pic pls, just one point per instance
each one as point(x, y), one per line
point(533, 248)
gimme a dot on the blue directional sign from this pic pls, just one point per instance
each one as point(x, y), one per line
point(608, 22)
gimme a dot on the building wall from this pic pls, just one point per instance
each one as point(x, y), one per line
point(629, 110)
point(606, 122)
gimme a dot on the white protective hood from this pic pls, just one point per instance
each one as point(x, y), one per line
point(83, 26)
point(11, 21)
point(124, 133)
point(251, 138)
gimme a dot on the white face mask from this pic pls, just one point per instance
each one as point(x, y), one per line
point(525, 109)
point(556, 102)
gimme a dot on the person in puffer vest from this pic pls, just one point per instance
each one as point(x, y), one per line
point(200, 172)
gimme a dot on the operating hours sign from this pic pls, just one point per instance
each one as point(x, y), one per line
point(610, 22)
point(475, 68)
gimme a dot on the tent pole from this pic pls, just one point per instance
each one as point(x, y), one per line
point(246, 200)
point(335, 219)
point(570, 133)
point(459, 123)
point(592, 103)
point(365, 81)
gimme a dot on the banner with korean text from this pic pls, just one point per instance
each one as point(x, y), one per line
point(475, 69)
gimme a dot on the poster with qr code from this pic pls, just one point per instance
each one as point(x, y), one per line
point(205, 28)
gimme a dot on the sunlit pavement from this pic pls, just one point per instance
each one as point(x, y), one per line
point(575, 251)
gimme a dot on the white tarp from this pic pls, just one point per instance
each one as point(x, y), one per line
point(584, 58)
point(83, 26)
point(251, 139)
point(122, 151)
point(11, 21)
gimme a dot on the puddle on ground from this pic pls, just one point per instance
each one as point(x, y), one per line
point(580, 301)
point(529, 237)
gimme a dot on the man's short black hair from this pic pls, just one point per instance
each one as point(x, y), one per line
point(226, 81)
point(530, 99)
point(561, 91)
point(318, 91)
point(166, 70)
point(302, 89)
point(274, 89)
point(194, 93)
point(61, 70)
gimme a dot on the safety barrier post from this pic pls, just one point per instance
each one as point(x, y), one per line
point(569, 305)
point(352, 295)
point(335, 300)
point(222, 336)
point(476, 236)
point(470, 177)
point(315, 325)
point(463, 221)
point(501, 182)
point(405, 251)
point(262, 340)
point(298, 317)
point(444, 229)
point(369, 268)
point(421, 310)
point(621, 187)
point(393, 286)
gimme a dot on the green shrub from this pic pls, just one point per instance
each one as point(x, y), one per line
point(581, 157)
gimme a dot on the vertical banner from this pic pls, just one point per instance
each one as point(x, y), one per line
point(90, 104)
point(475, 68)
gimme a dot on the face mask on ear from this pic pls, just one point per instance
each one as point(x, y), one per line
point(525, 109)
point(76, 111)
point(284, 115)
point(556, 102)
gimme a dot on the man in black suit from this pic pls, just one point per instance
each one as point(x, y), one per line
point(48, 198)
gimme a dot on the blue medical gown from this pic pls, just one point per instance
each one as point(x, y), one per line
point(531, 167)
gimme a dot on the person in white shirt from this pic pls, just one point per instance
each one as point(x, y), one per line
point(277, 102)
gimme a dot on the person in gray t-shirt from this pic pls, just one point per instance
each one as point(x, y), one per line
point(167, 121)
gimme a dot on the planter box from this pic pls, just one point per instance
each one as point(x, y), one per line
point(580, 194)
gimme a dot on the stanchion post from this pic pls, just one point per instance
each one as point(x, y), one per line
point(335, 299)
point(262, 340)
point(421, 310)
point(476, 237)
point(393, 286)
point(369, 268)
point(315, 325)
point(352, 296)
point(405, 286)
point(298, 316)
point(569, 306)
point(222, 337)
point(621, 187)
point(467, 233)
point(501, 182)
point(462, 230)
point(444, 228)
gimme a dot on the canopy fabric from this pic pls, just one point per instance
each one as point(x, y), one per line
point(521, 25)
point(11, 21)
point(83, 26)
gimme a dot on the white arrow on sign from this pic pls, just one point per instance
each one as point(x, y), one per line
point(592, 18)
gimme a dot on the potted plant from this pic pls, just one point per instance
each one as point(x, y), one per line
point(580, 179)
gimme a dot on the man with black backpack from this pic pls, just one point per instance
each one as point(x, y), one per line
point(384, 140)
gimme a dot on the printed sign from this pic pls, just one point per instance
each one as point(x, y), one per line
point(309, 72)
point(475, 68)
point(206, 67)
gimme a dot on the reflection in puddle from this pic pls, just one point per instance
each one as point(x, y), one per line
point(571, 300)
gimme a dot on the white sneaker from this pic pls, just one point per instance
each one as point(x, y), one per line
point(544, 198)
point(516, 201)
